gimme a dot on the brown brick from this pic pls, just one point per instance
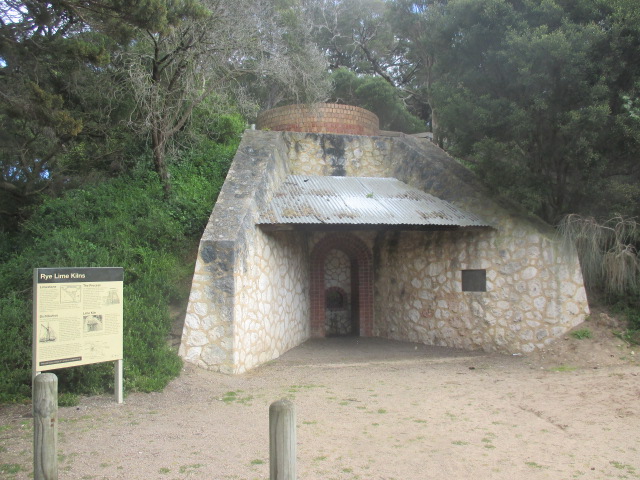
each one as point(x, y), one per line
point(321, 118)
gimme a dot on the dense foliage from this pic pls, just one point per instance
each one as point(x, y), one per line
point(540, 98)
point(80, 79)
point(377, 96)
point(124, 221)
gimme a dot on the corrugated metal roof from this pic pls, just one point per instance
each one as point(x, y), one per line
point(311, 200)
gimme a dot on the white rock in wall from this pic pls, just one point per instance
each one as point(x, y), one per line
point(540, 303)
point(197, 339)
point(192, 321)
point(193, 354)
point(529, 273)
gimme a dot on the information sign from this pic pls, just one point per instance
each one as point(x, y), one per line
point(77, 316)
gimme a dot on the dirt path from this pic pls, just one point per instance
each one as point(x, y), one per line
point(366, 409)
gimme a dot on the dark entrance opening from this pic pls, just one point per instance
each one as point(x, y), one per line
point(338, 313)
point(341, 287)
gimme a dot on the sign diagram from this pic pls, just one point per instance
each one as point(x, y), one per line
point(47, 333)
point(77, 316)
point(70, 294)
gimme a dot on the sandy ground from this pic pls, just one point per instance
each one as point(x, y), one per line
point(366, 409)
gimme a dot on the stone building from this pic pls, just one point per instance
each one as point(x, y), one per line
point(327, 226)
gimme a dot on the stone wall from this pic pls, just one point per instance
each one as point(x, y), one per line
point(337, 281)
point(257, 294)
point(533, 295)
point(248, 300)
point(535, 291)
point(339, 155)
point(357, 247)
point(272, 305)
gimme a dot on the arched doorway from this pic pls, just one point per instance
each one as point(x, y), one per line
point(341, 287)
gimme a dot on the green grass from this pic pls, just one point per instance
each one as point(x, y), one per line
point(230, 397)
point(582, 334)
point(68, 400)
point(297, 388)
point(190, 468)
point(563, 368)
point(630, 469)
point(10, 468)
point(236, 397)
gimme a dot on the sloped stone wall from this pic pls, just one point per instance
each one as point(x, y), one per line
point(249, 300)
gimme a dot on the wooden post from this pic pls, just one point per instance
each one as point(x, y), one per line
point(282, 440)
point(117, 381)
point(45, 427)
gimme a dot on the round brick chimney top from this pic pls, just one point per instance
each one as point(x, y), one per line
point(320, 118)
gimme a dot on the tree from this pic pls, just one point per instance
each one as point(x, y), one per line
point(370, 37)
point(618, 53)
point(608, 251)
point(536, 96)
point(378, 96)
point(50, 69)
point(522, 94)
point(420, 24)
point(152, 62)
point(173, 70)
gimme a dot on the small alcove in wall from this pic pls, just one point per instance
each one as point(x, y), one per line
point(341, 287)
point(337, 282)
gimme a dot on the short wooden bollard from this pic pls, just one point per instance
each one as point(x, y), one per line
point(45, 427)
point(282, 440)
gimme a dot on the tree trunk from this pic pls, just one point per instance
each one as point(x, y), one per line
point(435, 129)
point(159, 144)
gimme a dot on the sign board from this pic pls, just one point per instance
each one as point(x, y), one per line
point(77, 316)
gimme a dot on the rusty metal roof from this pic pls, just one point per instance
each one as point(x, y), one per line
point(310, 200)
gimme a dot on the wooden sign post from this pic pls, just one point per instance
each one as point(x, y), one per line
point(45, 427)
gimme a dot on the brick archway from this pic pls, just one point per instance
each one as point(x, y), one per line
point(361, 282)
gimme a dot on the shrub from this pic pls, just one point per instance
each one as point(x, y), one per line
point(15, 348)
point(68, 399)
